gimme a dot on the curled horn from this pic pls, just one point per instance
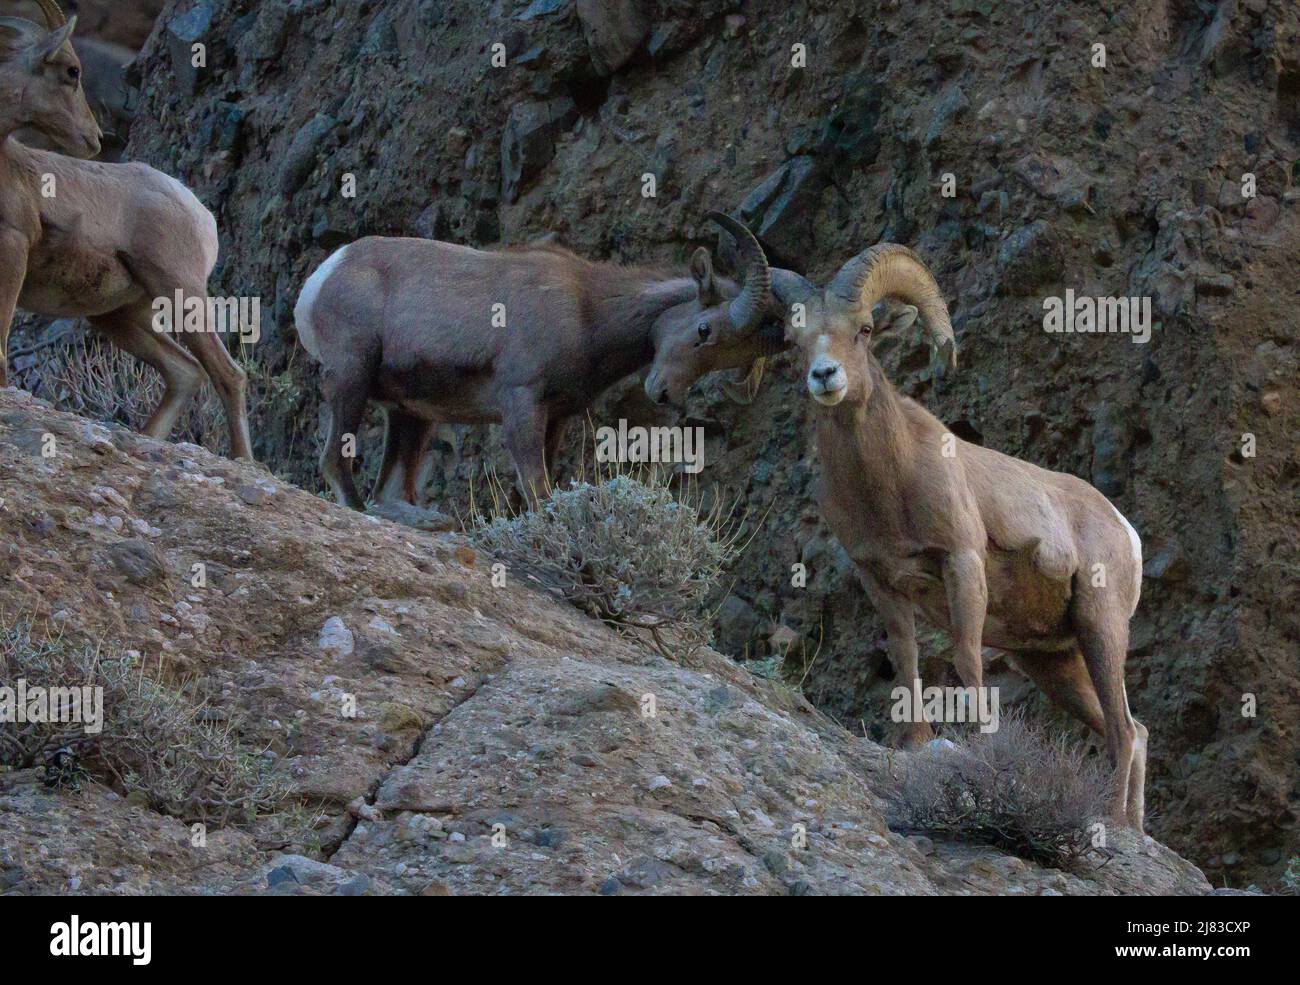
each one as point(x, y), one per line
point(53, 15)
point(746, 308)
point(890, 270)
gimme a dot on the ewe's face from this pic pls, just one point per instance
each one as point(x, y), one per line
point(693, 341)
point(52, 99)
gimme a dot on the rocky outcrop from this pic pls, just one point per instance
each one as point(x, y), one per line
point(501, 741)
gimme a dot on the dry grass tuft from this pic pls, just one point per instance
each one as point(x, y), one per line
point(1033, 794)
point(158, 741)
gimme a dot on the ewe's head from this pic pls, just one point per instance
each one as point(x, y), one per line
point(722, 327)
point(40, 77)
point(833, 327)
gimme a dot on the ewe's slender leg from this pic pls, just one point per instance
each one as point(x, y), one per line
point(523, 424)
point(968, 600)
point(1103, 635)
point(347, 398)
point(228, 379)
point(900, 643)
point(416, 437)
point(130, 329)
point(554, 435)
point(13, 271)
point(405, 439)
point(384, 490)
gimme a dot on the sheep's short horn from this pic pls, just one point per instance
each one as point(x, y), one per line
point(890, 270)
point(747, 307)
point(54, 17)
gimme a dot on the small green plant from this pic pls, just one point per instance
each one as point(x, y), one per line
point(1030, 793)
point(1291, 877)
point(154, 740)
point(622, 549)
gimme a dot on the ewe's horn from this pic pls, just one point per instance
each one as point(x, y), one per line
point(890, 270)
point(53, 15)
point(747, 307)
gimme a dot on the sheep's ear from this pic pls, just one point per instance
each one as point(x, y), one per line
point(702, 271)
point(56, 39)
point(15, 34)
point(896, 318)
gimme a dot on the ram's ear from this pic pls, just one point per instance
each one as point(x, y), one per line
point(890, 316)
point(705, 284)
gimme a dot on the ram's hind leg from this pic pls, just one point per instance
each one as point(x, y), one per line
point(1063, 677)
point(1103, 637)
point(131, 330)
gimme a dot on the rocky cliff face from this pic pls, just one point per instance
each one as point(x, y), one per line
point(500, 741)
point(999, 141)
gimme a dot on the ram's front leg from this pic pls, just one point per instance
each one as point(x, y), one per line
point(13, 271)
point(898, 614)
point(968, 602)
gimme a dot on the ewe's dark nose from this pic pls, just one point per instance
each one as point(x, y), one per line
point(663, 396)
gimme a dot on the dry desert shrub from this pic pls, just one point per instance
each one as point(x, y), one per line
point(154, 739)
point(1030, 793)
point(623, 549)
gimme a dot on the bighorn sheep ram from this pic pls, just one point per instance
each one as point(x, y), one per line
point(100, 241)
point(524, 337)
point(994, 550)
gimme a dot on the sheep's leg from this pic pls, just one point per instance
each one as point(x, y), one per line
point(405, 439)
point(1063, 677)
point(417, 436)
point(555, 429)
point(131, 330)
point(1137, 778)
point(900, 644)
point(227, 376)
point(13, 271)
point(968, 599)
point(1103, 636)
point(524, 431)
point(347, 402)
point(228, 379)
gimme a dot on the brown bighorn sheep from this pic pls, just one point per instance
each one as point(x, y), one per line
point(100, 241)
point(523, 337)
point(994, 550)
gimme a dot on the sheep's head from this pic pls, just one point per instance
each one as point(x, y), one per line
point(722, 327)
point(833, 327)
point(40, 75)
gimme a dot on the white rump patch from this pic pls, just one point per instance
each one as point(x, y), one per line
point(1136, 544)
point(302, 312)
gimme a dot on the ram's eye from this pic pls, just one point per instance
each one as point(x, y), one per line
point(704, 330)
point(74, 73)
point(865, 329)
